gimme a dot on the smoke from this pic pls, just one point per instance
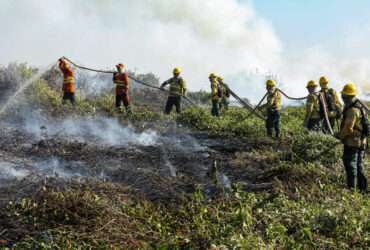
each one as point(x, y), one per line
point(148, 35)
point(100, 130)
point(223, 36)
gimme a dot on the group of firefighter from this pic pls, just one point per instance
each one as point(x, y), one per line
point(324, 111)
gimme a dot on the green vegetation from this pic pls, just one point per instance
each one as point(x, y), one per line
point(308, 207)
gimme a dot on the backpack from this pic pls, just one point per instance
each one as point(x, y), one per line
point(330, 104)
point(219, 90)
point(365, 123)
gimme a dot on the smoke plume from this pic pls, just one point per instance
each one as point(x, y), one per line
point(223, 36)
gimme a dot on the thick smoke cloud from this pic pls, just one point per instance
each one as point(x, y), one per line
point(148, 35)
point(223, 36)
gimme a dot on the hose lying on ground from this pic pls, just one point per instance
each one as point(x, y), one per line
point(131, 77)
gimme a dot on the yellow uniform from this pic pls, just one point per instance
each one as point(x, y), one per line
point(351, 128)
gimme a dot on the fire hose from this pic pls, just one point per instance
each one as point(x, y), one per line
point(131, 77)
point(292, 98)
point(325, 111)
point(258, 105)
point(244, 103)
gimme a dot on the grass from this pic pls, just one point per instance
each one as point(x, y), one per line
point(308, 208)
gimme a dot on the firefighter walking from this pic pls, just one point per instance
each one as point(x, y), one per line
point(120, 79)
point(68, 81)
point(176, 91)
point(353, 134)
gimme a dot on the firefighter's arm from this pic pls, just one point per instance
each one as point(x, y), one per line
point(184, 87)
point(164, 84)
point(127, 86)
point(277, 101)
point(309, 110)
point(337, 100)
point(214, 89)
point(349, 126)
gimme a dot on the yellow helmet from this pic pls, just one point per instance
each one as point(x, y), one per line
point(324, 81)
point(177, 70)
point(220, 78)
point(212, 75)
point(349, 89)
point(312, 84)
point(270, 83)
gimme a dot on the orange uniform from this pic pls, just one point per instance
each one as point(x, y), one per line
point(69, 77)
point(122, 83)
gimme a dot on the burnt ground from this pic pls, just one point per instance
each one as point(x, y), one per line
point(174, 166)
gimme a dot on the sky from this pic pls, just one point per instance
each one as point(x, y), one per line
point(302, 24)
point(246, 41)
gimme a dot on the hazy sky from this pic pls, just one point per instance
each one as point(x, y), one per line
point(298, 40)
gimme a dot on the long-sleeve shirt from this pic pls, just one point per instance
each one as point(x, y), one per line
point(274, 102)
point(69, 78)
point(122, 83)
point(214, 90)
point(177, 86)
point(351, 128)
point(312, 107)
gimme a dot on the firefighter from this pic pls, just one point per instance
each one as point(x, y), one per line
point(352, 135)
point(334, 106)
point(68, 81)
point(176, 91)
point(273, 107)
point(312, 119)
point(215, 94)
point(120, 79)
point(224, 103)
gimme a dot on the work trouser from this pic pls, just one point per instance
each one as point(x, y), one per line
point(69, 96)
point(215, 108)
point(273, 123)
point(224, 104)
point(314, 124)
point(171, 101)
point(125, 99)
point(353, 160)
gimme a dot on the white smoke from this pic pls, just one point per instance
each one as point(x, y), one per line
point(223, 36)
point(106, 131)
